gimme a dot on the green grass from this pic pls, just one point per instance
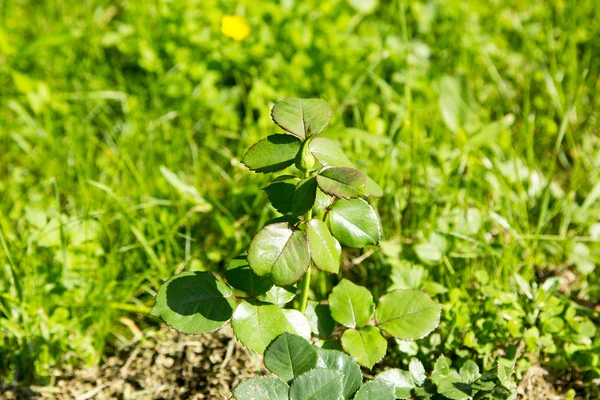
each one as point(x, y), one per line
point(479, 119)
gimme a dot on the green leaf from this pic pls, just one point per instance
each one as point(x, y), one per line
point(256, 325)
point(279, 192)
point(441, 369)
point(304, 196)
point(319, 318)
point(366, 345)
point(322, 202)
point(318, 384)
point(448, 381)
point(352, 376)
point(240, 276)
point(274, 153)
point(400, 381)
point(582, 258)
point(327, 152)
point(501, 393)
point(407, 314)
point(296, 116)
point(454, 389)
point(486, 383)
point(325, 250)
point(279, 295)
point(332, 344)
point(342, 182)
point(351, 305)
point(263, 388)
point(372, 188)
point(404, 274)
point(290, 356)
point(354, 223)
point(469, 372)
point(194, 302)
point(428, 253)
point(280, 251)
point(425, 393)
point(376, 390)
point(505, 371)
point(297, 323)
point(417, 371)
point(432, 251)
point(554, 325)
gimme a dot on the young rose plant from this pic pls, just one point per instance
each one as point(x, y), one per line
point(322, 202)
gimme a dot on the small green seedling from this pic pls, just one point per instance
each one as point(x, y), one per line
point(322, 202)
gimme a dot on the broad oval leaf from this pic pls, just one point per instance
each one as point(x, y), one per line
point(272, 154)
point(400, 381)
point(297, 115)
point(342, 182)
point(470, 371)
point(319, 318)
point(336, 360)
point(417, 371)
point(256, 324)
point(263, 387)
point(297, 323)
point(303, 197)
point(290, 356)
point(441, 369)
point(407, 314)
point(279, 192)
point(325, 250)
point(351, 305)
point(376, 390)
point(194, 302)
point(454, 389)
point(327, 152)
point(279, 295)
point(354, 223)
point(366, 345)
point(241, 277)
point(318, 384)
point(280, 251)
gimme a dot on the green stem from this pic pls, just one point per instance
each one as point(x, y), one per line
point(305, 289)
point(306, 279)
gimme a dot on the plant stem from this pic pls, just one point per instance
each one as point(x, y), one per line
point(305, 289)
point(306, 279)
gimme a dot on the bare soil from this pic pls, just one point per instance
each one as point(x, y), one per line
point(162, 365)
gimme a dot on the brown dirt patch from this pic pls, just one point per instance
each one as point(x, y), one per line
point(162, 364)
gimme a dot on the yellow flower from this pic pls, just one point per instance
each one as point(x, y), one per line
point(235, 27)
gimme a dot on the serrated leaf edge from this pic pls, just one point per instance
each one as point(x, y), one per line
point(256, 144)
point(439, 315)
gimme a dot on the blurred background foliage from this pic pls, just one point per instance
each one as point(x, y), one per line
point(122, 124)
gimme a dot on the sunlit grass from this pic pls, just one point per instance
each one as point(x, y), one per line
point(479, 119)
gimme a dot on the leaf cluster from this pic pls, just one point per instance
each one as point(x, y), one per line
point(322, 210)
point(304, 372)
